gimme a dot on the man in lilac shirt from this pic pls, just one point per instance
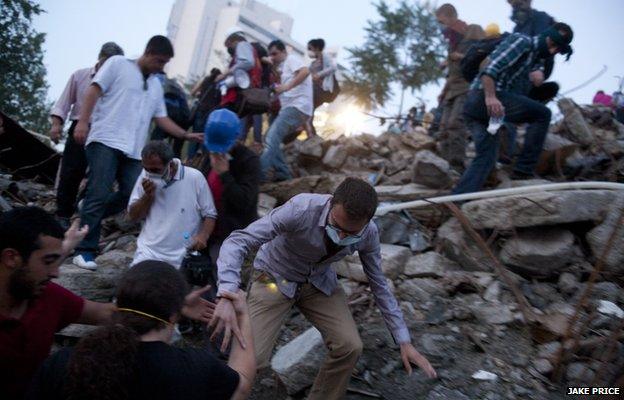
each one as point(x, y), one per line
point(74, 162)
point(298, 243)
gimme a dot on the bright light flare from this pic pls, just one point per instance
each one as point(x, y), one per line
point(351, 119)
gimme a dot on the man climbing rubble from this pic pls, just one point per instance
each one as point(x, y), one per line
point(492, 98)
point(298, 243)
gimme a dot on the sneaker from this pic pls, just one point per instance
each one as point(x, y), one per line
point(86, 261)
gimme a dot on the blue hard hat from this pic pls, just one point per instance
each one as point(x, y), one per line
point(221, 131)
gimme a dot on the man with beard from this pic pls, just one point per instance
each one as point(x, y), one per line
point(492, 95)
point(32, 308)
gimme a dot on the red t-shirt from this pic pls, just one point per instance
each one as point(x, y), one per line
point(26, 342)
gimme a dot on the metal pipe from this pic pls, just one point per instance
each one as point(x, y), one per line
point(499, 193)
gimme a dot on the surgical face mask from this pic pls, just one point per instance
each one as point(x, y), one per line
point(164, 176)
point(311, 54)
point(334, 235)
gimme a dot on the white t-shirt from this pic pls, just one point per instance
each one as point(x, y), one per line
point(300, 96)
point(176, 212)
point(122, 116)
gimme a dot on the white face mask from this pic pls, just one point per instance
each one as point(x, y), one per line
point(311, 54)
point(156, 177)
point(334, 235)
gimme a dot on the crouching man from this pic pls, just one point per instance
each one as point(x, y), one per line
point(175, 204)
point(298, 243)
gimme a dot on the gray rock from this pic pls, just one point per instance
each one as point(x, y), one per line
point(311, 149)
point(607, 291)
point(575, 123)
point(420, 290)
point(543, 366)
point(492, 293)
point(568, 284)
point(540, 252)
point(429, 265)
point(579, 372)
point(431, 170)
point(393, 259)
point(599, 236)
point(297, 363)
point(548, 350)
point(96, 285)
point(456, 245)
point(493, 313)
point(411, 191)
point(443, 393)
point(542, 208)
point(335, 157)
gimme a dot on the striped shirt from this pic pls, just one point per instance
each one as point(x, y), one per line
point(511, 61)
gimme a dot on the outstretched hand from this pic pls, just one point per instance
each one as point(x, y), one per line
point(225, 319)
point(197, 308)
point(410, 355)
point(73, 236)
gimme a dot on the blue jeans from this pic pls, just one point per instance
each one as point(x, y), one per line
point(287, 120)
point(106, 165)
point(518, 109)
point(249, 121)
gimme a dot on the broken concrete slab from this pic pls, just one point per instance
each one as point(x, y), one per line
point(393, 260)
point(411, 191)
point(335, 157)
point(599, 236)
point(420, 290)
point(430, 170)
point(297, 363)
point(456, 245)
point(493, 313)
point(540, 252)
point(576, 125)
point(429, 265)
point(541, 208)
point(96, 285)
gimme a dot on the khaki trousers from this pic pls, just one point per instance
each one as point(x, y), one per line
point(268, 309)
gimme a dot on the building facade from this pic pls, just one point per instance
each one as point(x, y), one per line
point(197, 29)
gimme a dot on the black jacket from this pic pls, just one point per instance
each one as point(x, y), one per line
point(239, 203)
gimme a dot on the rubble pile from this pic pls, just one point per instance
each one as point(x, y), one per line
point(489, 337)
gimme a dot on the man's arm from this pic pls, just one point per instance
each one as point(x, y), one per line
point(82, 127)
point(61, 109)
point(494, 106)
point(242, 359)
point(300, 76)
point(231, 256)
point(141, 199)
point(167, 125)
point(370, 255)
point(200, 240)
point(94, 313)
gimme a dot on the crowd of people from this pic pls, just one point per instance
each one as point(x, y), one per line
point(130, 126)
point(199, 222)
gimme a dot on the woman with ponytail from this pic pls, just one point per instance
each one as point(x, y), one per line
point(131, 358)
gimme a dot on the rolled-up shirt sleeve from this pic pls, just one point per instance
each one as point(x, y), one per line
point(244, 57)
point(68, 98)
point(106, 75)
point(370, 255)
point(241, 242)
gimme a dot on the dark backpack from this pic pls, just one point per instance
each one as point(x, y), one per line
point(177, 106)
point(476, 54)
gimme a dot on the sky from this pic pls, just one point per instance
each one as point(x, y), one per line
point(76, 29)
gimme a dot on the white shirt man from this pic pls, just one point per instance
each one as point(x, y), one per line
point(295, 94)
point(176, 206)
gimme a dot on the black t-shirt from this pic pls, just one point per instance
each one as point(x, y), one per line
point(165, 372)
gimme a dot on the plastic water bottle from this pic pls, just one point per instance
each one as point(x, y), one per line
point(495, 124)
point(187, 244)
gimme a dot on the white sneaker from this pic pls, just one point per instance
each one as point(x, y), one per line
point(81, 262)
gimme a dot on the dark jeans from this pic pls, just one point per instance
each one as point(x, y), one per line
point(106, 165)
point(518, 109)
point(250, 121)
point(73, 167)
